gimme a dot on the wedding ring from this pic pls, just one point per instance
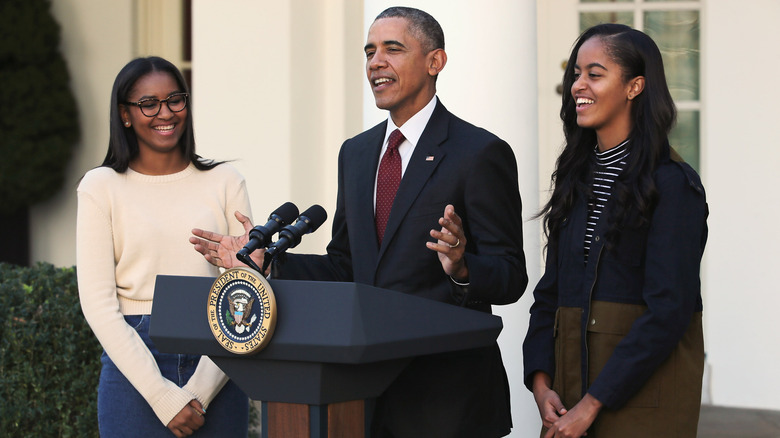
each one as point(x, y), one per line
point(456, 243)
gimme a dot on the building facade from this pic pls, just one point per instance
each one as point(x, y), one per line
point(277, 86)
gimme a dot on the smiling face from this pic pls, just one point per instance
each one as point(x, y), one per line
point(603, 97)
point(158, 135)
point(401, 74)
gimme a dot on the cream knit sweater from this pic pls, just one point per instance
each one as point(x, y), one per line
point(132, 227)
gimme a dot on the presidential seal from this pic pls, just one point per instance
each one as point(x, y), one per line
point(242, 311)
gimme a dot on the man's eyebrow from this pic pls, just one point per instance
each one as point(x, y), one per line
point(384, 43)
point(393, 43)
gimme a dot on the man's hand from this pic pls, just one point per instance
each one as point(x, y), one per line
point(188, 420)
point(220, 250)
point(451, 245)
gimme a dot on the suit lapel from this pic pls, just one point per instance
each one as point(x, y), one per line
point(362, 188)
point(426, 157)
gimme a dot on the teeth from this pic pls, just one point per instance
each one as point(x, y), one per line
point(381, 81)
point(584, 101)
point(164, 128)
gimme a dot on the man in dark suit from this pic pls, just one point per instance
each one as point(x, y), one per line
point(459, 187)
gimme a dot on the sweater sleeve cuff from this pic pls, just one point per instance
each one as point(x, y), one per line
point(206, 382)
point(171, 403)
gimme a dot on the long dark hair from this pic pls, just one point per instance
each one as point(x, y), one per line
point(653, 114)
point(122, 143)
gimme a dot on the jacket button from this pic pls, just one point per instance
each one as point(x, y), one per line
point(597, 238)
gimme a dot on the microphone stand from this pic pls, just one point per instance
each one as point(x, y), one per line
point(249, 262)
point(267, 260)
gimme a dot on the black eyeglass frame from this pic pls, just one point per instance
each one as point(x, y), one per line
point(160, 102)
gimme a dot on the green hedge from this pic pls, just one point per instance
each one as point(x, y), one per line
point(49, 358)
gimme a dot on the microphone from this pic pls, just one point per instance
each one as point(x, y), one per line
point(260, 236)
point(290, 236)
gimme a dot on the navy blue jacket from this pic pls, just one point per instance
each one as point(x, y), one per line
point(656, 266)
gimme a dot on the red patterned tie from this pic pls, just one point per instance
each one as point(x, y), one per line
point(387, 182)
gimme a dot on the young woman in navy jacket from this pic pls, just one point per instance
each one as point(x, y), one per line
point(615, 346)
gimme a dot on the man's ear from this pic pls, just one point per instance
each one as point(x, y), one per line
point(637, 85)
point(437, 59)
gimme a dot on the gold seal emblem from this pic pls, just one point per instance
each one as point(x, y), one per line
point(242, 311)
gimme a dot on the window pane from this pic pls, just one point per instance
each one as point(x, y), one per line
point(589, 19)
point(684, 137)
point(677, 35)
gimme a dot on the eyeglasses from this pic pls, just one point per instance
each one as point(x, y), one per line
point(151, 107)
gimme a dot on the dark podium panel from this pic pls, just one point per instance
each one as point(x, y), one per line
point(334, 342)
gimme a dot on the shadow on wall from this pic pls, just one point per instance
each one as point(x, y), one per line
point(720, 422)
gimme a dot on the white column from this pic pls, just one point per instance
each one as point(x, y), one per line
point(276, 88)
point(96, 41)
point(241, 84)
point(739, 168)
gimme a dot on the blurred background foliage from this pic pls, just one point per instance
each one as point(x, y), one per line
point(49, 358)
point(39, 126)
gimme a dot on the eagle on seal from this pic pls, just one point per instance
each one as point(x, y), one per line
point(240, 306)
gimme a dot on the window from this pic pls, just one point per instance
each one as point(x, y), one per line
point(164, 28)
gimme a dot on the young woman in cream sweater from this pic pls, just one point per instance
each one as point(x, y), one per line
point(135, 213)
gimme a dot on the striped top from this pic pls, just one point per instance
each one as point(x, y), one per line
point(609, 164)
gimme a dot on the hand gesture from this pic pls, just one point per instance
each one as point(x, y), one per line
point(451, 245)
point(220, 250)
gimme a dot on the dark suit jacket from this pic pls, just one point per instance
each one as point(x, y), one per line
point(454, 162)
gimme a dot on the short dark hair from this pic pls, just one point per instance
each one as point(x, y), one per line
point(421, 24)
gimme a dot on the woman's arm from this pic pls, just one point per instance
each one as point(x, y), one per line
point(670, 288)
point(100, 305)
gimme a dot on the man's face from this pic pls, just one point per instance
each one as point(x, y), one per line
point(400, 74)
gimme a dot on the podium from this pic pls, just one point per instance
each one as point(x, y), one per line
point(335, 345)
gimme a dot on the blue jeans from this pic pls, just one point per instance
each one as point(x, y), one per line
point(122, 412)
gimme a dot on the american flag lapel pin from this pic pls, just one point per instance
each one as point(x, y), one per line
point(429, 158)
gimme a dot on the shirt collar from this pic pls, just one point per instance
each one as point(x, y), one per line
point(414, 127)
